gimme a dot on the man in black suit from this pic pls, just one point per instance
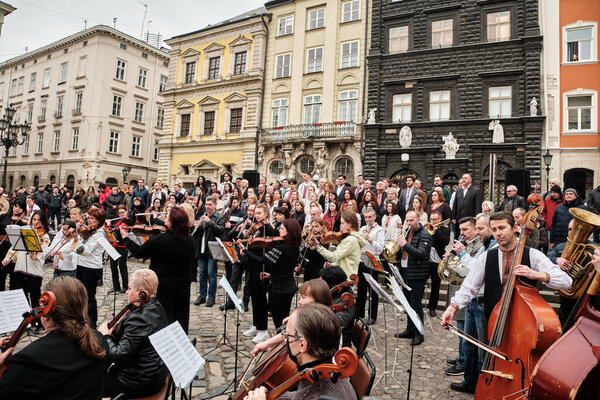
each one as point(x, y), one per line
point(359, 190)
point(512, 200)
point(467, 202)
point(340, 187)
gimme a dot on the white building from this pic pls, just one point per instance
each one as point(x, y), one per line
point(93, 103)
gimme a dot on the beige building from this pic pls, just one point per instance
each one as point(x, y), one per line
point(213, 101)
point(5, 9)
point(93, 104)
point(314, 85)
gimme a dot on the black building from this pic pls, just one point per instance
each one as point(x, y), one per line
point(440, 67)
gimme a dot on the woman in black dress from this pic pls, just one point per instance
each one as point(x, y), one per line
point(312, 261)
point(170, 255)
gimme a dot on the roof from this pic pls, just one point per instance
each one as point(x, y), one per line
point(238, 18)
point(6, 8)
point(275, 3)
point(94, 30)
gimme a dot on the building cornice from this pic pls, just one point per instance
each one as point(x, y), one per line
point(211, 86)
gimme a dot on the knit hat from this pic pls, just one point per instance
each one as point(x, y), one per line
point(556, 188)
point(572, 191)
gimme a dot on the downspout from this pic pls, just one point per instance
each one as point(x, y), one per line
point(260, 114)
point(364, 93)
point(545, 60)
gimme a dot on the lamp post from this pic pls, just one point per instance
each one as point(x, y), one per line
point(9, 133)
point(126, 170)
point(547, 161)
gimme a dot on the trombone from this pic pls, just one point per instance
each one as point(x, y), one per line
point(431, 228)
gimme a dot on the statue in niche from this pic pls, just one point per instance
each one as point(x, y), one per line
point(287, 156)
point(450, 146)
point(405, 137)
point(261, 151)
point(321, 161)
point(498, 135)
point(371, 117)
point(533, 107)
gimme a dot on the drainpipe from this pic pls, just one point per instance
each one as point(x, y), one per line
point(262, 101)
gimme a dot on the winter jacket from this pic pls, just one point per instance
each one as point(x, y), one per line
point(418, 251)
point(549, 207)
point(54, 201)
point(347, 253)
point(561, 219)
point(509, 204)
point(143, 194)
point(103, 195)
point(111, 201)
point(593, 202)
point(40, 198)
point(213, 228)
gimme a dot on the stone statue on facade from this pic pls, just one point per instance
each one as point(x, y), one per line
point(405, 137)
point(287, 156)
point(321, 161)
point(261, 152)
point(533, 107)
point(498, 136)
point(371, 117)
point(450, 146)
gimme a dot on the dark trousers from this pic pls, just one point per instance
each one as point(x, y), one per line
point(361, 296)
point(237, 271)
point(228, 271)
point(90, 278)
point(119, 265)
point(4, 273)
point(52, 214)
point(113, 386)
point(280, 306)
point(566, 307)
point(415, 298)
point(175, 299)
point(258, 294)
point(31, 285)
point(434, 295)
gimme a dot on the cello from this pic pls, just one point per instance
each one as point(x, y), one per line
point(522, 326)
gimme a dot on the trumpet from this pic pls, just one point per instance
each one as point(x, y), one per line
point(431, 228)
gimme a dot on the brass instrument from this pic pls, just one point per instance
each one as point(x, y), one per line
point(391, 249)
point(450, 269)
point(431, 228)
point(578, 253)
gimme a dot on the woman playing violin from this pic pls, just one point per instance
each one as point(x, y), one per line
point(312, 261)
point(68, 362)
point(13, 217)
point(119, 265)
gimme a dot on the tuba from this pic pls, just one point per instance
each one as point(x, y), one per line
point(578, 253)
point(451, 270)
point(391, 250)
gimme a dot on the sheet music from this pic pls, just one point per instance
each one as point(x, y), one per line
point(231, 260)
point(398, 277)
point(382, 293)
point(179, 355)
point(236, 300)
point(216, 251)
point(112, 252)
point(13, 304)
point(404, 301)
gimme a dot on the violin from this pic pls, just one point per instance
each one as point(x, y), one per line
point(346, 304)
point(143, 299)
point(144, 230)
point(330, 237)
point(338, 288)
point(256, 227)
point(263, 243)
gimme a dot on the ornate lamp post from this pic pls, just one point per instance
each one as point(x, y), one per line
point(547, 161)
point(9, 133)
point(126, 170)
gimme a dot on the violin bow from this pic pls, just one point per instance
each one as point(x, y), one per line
point(474, 341)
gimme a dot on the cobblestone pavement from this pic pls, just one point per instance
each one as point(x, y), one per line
point(206, 324)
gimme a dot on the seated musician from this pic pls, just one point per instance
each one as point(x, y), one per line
point(334, 276)
point(66, 363)
point(138, 370)
point(312, 337)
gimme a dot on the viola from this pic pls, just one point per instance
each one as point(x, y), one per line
point(338, 288)
point(143, 299)
point(330, 237)
point(346, 304)
point(264, 243)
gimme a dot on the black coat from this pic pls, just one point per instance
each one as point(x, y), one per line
point(440, 240)
point(114, 200)
point(214, 228)
point(418, 255)
point(561, 219)
point(469, 205)
point(280, 262)
point(512, 203)
point(593, 202)
point(54, 368)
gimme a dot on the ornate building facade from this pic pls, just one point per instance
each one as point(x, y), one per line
point(455, 67)
point(314, 84)
point(213, 101)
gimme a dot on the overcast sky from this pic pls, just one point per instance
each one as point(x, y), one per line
point(37, 23)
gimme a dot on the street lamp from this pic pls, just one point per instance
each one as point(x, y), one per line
point(547, 161)
point(125, 171)
point(9, 133)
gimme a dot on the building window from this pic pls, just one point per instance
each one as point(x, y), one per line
point(26, 144)
point(32, 79)
point(156, 152)
point(40, 143)
point(498, 26)
point(124, 47)
point(163, 83)
point(312, 109)
point(439, 105)
point(20, 85)
point(144, 55)
point(344, 166)
point(13, 87)
point(314, 60)
point(1, 90)
point(136, 146)
point(113, 142)
point(316, 18)
point(46, 81)
point(240, 63)
point(579, 113)
point(285, 25)
point(166, 64)
point(116, 105)
point(62, 73)
point(351, 11)
point(280, 112)
point(59, 107)
point(402, 107)
point(142, 77)
point(213, 67)
point(282, 69)
point(500, 99)
point(190, 72)
point(56, 142)
point(276, 167)
point(75, 138)
point(43, 110)
point(139, 112)
point(348, 105)
point(120, 72)
point(184, 129)
point(307, 165)
point(209, 122)
point(398, 39)
point(29, 117)
point(160, 117)
point(580, 44)
point(78, 100)
point(81, 66)
point(235, 120)
point(350, 54)
point(441, 33)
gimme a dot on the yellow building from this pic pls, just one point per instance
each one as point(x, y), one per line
point(213, 101)
point(314, 84)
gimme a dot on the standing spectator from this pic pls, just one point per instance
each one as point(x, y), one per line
point(359, 190)
point(111, 203)
point(226, 181)
point(561, 218)
point(78, 195)
point(467, 202)
point(141, 192)
point(40, 197)
point(554, 200)
point(89, 198)
point(104, 193)
point(380, 193)
point(340, 186)
point(512, 200)
point(438, 182)
point(437, 201)
point(128, 196)
point(158, 193)
point(487, 207)
point(54, 204)
point(593, 204)
point(419, 186)
point(551, 182)
point(303, 187)
point(298, 212)
point(31, 206)
point(405, 198)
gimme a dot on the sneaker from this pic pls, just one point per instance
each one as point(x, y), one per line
point(210, 302)
point(200, 300)
point(261, 336)
point(455, 370)
point(250, 332)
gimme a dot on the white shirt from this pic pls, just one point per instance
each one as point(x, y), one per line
point(476, 277)
point(303, 189)
point(90, 251)
point(391, 230)
point(68, 261)
point(468, 261)
point(377, 235)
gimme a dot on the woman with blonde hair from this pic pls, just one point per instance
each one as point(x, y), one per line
point(487, 207)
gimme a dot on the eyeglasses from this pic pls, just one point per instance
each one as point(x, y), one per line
point(286, 336)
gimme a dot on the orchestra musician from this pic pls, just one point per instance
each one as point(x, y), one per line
point(170, 255)
point(139, 371)
point(374, 242)
point(312, 261)
point(68, 362)
point(492, 267)
point(120, 264)
point(333, 276)
point(13, 217)
point(63, 247)
point(312, 337)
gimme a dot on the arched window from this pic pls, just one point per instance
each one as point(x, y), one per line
point(11, 182)
point(134, 182)
point(53, 178)
point(306, 165)
point(344, 166)
point(276, 167)
point(71, 182)
point(36, 181)
point(22, 180)
point(580, 179)
point(450, 182)
point(112, 182)
point(501, 168)
point(402, 174)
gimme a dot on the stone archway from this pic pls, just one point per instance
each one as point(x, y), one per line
point(580, 179)
point(402, 174)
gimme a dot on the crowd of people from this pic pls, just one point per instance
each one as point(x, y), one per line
point(324, 230)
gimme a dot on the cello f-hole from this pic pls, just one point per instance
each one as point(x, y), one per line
point(519, 361)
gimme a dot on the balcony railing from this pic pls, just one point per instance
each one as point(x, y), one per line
point(338, 129)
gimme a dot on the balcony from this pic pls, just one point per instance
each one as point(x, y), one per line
point(76, 112)
point(325, 130)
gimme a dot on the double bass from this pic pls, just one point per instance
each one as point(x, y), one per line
point(521, 326)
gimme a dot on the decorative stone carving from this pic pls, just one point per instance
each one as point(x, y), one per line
point(287, 156)
point(405, 137)
point(321, 161)
point(261, 152)
point(371, 116)
point(533, 107)
point(405, 157)
point(498, 136)
point(450, 146)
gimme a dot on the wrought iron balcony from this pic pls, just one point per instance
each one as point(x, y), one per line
point(325, 130)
